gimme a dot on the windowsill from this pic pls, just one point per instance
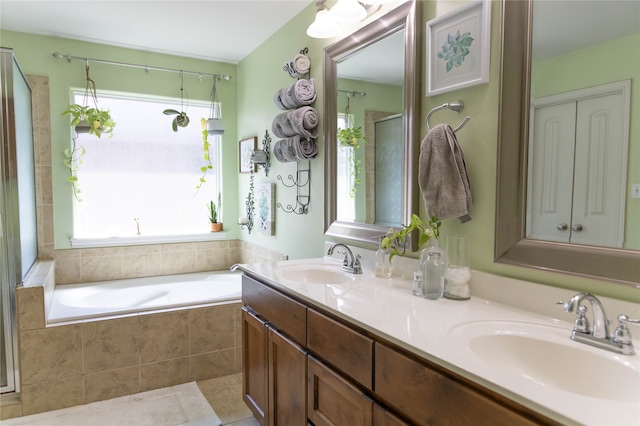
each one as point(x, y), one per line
point(136, 240)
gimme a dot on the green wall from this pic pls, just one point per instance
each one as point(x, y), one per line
point(609, 62)
point(34, 55)
point(250, 94)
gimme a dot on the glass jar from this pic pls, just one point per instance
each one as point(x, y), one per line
point(383, 265)
point(458, 273)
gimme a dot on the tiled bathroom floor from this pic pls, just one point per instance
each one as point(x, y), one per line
point(225, 397)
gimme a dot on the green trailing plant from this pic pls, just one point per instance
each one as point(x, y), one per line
point(214, 209)
point(94, 121)
point(205, 155)
point(397, 241)
point(350, 138)
point(73, 160)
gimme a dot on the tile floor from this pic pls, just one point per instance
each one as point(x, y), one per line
point(225, 396)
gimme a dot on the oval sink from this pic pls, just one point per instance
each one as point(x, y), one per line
point(316, 274)
point(546, 356)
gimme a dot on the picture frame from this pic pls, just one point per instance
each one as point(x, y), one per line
point(245, 149)
point(458, 48)
point(265, 208)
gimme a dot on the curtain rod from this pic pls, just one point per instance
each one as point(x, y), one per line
point(59, 55)
point(352, 93)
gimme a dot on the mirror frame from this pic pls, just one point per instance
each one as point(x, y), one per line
point(511, 245)
point(404, 16)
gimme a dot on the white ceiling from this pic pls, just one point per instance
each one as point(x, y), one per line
point(216, 30)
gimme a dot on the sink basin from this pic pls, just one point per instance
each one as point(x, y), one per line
point(314, 274)
point(545, 355)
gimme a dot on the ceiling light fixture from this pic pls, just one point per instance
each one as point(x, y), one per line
point(324, 25)
point(348, 11)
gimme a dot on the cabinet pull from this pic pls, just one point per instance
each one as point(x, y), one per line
point(577, 227)
point(562, 226)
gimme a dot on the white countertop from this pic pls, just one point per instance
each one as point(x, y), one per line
point(429, 328)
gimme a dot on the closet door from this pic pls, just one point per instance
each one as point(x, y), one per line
point(600, 172)
point(551, 162)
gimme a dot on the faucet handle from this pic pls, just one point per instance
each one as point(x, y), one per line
point(564, 305)
point(622, 335)
point(357, 268)
point(582, 323)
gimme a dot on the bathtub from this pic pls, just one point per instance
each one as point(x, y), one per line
point(72, 302)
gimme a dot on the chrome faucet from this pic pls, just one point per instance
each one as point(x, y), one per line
point(598, 336)
point(350, 263)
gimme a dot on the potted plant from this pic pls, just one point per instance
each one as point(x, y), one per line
point(397, 241)
point(87, 119)
point(213, 215)
point(350, 138)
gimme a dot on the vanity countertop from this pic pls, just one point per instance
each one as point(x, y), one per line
point(431, 329)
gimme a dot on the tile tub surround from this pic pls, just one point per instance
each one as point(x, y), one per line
point(87, 361)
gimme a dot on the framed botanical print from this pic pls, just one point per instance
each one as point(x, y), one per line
point(458, 48)
point(246, 148)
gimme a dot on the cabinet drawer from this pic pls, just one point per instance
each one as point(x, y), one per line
point(343, 348)
point(428, 397)
point(334, 401)
point(284, 313)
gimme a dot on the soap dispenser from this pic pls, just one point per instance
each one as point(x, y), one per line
point(383, 263)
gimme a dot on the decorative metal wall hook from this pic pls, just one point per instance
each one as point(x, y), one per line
point(247, 221)
point(261, 157)
point(303, 197)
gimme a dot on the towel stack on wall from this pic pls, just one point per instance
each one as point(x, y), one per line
point(297, 125)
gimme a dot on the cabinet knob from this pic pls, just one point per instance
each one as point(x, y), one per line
point(577, 227)
point(562, 226)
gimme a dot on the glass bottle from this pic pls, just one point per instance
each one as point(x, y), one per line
point(383, 265)
point(433, 263)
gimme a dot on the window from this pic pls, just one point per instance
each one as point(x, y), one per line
point(145, 176)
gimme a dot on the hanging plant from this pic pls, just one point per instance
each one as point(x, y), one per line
point(205, 148)
point(85, 119)
point(90, 119)
point(181, 120)
point(350, 138)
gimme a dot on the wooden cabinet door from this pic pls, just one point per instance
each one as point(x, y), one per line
point(334, 401)
point(254, 365)
point(382, 417)
point(287, 381)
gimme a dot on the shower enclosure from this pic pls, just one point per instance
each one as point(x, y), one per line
point(18, 232)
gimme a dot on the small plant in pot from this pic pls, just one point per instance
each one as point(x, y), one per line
point(214, 211)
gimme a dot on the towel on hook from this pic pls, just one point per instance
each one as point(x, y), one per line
point(442, 175)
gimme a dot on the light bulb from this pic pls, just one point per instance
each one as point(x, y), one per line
point(348, 11)
point(324, 26)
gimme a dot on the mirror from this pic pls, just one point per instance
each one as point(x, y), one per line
point(522, 76)
point(365, 212)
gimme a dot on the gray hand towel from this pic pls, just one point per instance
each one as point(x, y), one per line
point(302, 92)
point(442, 175)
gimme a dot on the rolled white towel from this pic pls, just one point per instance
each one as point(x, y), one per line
point(301, 63)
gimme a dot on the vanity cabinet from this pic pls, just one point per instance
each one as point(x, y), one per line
point(303, 365)
point(273, 356)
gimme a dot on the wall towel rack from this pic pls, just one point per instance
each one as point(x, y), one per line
point(454, 106)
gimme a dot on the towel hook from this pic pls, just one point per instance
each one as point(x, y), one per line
point(456, 106)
